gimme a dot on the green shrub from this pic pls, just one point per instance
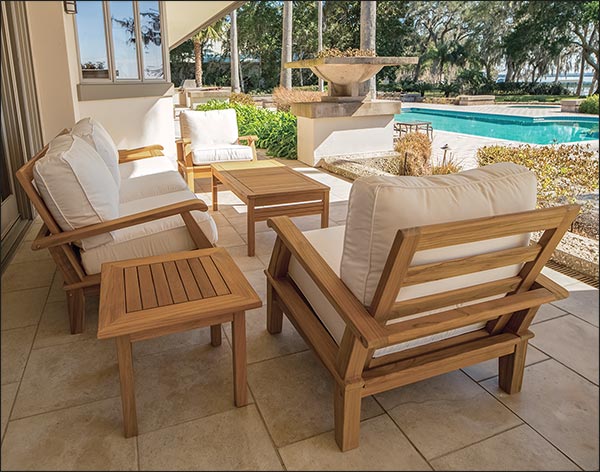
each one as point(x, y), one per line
point(589, 105)
point(562, 171)
point(414, 151)
point(276, 130)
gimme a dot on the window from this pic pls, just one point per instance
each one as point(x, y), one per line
point(120, 41)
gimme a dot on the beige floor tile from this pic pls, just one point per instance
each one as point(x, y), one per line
point(445, 413)
point(23, 307)
point(67, 375)
point(57, 294)
point(559, 277)
point(171, 341)
point(382, 447)
point(582, 302)
point(87, 437)
point(228, 237)
point(245, 263)
point(489, 369)
point(547, 312)
point(240, 224)
point(264, 242)
point(233, 440)
point(572, 342)
point(295, 396)
point(307, 223)
point(7, 395)
point(183, 384)
point(518, 449)
point(261, 345)
point(25, 254)
point(16, 344)
point(26, 275)
point(561, 406)
point(258, 280)
point(54, 326)
point(33, 230)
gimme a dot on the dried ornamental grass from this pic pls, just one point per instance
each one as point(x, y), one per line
point(242, 98)
point(562, 171)
point(350, 52)
point(415, 154)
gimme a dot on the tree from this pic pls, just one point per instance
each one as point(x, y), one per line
point(320, 36)
point(368, 25)
point(235, 56)
point(213, 32)
point(285, 79)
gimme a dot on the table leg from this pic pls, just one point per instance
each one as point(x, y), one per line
point(325, 211)
point(127, 385)
point(251, 229)
point(238, 330)
point(215, 335)
point(215, 191)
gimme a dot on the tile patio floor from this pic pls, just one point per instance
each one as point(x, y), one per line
point(61, 406)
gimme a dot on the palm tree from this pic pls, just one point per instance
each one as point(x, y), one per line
point(213, 32)
point(285, 79)
point(235, 56)
point(368, 20)
point(320, 36)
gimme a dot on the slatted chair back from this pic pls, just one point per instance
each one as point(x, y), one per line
point(399, 272)
point(65, 256)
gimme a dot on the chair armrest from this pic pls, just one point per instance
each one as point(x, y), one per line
point(119, 223)
point(370, 333)
point(184, 153)
point(250, 138)
point(556, 289)
point(128, 155)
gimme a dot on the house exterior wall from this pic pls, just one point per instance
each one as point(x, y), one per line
point(132, 122)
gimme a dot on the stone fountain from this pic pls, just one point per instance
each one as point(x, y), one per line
point(346, 121)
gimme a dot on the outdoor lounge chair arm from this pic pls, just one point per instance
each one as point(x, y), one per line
point(78, 234)
point(127, 155)
point(184, 153)
point(557, 290)
point(371, 334)
point(250, 138)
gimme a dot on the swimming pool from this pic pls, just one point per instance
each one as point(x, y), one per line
point(533, 130)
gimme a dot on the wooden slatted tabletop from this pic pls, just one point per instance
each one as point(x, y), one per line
point(269, 189)
point(154, 296)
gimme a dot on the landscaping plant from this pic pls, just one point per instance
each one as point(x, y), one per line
point(562, 171)
point(414, 151)
point(276, 130)
point(589, 105)
point(284, 97)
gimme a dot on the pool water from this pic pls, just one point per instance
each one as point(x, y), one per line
point(532, 130)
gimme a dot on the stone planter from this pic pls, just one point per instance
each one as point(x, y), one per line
point(348, 77)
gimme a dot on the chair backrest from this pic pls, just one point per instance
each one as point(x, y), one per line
point(65, 256)
point(209, 128)
point(380, 206)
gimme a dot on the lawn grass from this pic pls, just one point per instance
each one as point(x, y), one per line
point(531, 98)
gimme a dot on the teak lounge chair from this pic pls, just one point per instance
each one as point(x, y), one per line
point(208, 137)
point(430, 275)
point(151, 210)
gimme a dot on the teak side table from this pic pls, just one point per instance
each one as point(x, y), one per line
point(270, 189)
point(154, 296)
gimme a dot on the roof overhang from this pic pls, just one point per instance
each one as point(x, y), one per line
point(185, 19)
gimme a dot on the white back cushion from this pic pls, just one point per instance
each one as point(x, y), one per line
point(95, 135)
point(209, 128)
point(379, 206)
point(76, 186)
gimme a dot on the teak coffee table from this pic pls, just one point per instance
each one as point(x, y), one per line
point(269, 189)
point(154, 296)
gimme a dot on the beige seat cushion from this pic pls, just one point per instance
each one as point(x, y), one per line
point(234, 152)
point(150, 239)
point(149, 177)
point(76, 186)
point(209, 128)
point(96, 135)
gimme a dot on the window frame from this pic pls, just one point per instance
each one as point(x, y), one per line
point(112, 79)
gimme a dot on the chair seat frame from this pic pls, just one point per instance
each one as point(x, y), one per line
point(355, 370)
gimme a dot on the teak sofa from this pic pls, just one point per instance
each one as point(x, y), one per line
point(208, 137)
point(430, 274)
point(99, 204)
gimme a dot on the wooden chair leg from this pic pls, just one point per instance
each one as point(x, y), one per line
point(274, 312)
point(346, 407)
point(76, 307)
point(510, 369)
point(215, 335)
point(190, 179)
